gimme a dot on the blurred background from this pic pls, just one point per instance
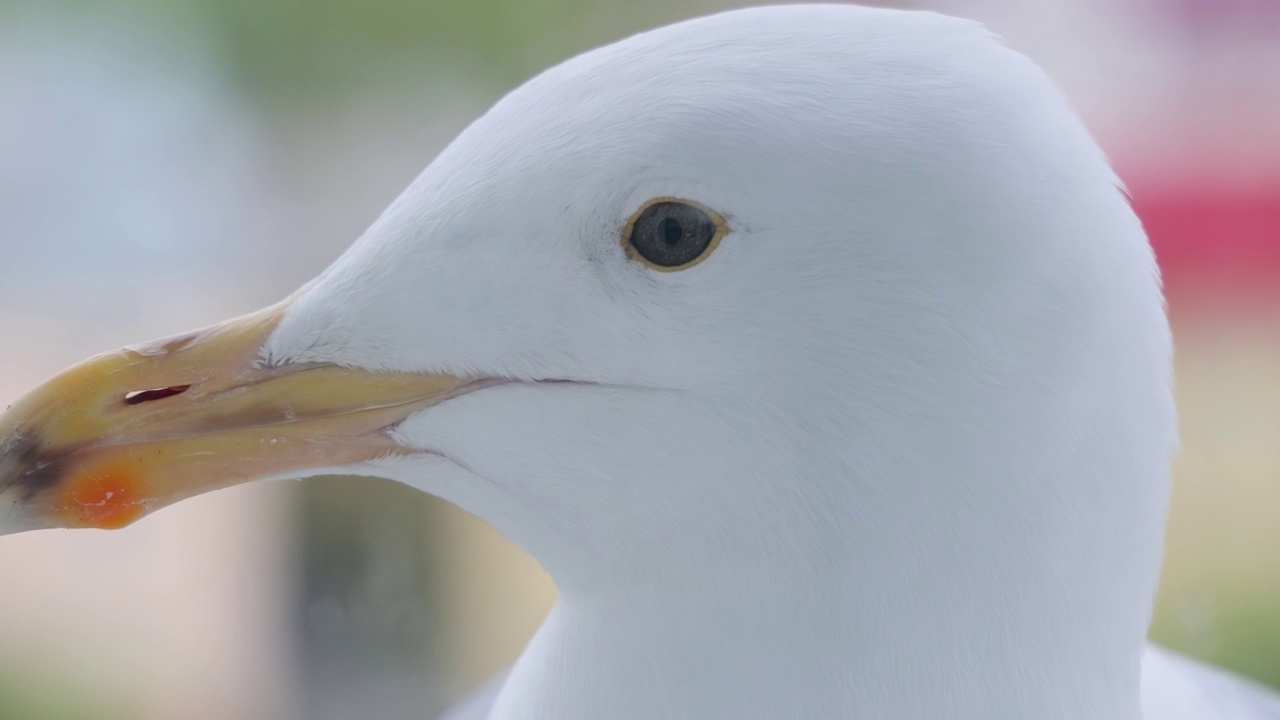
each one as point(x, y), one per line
point(167, 163)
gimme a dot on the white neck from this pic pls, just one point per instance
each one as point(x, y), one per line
point(796, 648)
point(1004, 613)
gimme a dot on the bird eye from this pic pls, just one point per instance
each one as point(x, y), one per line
point(669, 234)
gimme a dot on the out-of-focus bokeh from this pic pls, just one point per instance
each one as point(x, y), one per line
point(167, 163)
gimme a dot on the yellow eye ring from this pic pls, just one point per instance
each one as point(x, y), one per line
point(669, 234)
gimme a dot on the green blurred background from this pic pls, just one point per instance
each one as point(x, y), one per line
point(170, 162)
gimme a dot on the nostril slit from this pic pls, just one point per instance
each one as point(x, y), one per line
point(137, 397)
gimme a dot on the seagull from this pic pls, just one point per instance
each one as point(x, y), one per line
point(815, 351)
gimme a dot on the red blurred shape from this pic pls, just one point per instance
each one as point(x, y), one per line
point(1214, 241)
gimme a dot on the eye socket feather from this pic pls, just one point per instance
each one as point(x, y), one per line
point(669, 234)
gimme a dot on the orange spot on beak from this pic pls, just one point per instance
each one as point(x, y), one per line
point(107, 498)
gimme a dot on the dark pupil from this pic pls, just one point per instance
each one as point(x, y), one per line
point(672, 234)
point(671, 231)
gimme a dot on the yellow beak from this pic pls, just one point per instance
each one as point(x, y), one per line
point(129, 432)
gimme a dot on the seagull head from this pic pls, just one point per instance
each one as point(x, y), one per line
point(820, 292)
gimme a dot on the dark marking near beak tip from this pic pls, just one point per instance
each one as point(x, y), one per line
point(38, 478)
point(21, 453)
point(137, 397)
point(21, 448)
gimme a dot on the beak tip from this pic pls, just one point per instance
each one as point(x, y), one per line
point(12, 520)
